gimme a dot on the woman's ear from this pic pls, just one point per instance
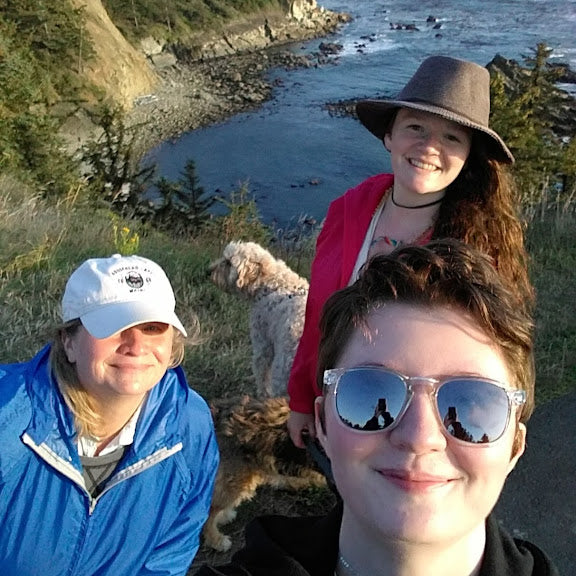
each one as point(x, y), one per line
point(386, 141)
point(68, 343)
point(518, 446)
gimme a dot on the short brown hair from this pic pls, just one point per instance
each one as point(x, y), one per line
point(445, 273)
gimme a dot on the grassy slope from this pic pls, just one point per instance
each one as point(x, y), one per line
point(552, 246)
point(40, 244)
point(179, 20)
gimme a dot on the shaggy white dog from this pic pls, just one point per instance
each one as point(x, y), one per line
point(278, 297)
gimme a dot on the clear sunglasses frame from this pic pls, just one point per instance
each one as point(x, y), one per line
point(516, 398)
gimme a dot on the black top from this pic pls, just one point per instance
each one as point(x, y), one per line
point(308, 546)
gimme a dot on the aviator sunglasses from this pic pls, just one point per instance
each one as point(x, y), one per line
point(470, 409)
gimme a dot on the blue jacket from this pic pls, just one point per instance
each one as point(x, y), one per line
point(148, 519)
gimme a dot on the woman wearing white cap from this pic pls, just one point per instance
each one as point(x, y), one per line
point(108, 458)
point(449, 181)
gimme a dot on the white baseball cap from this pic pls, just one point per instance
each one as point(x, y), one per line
point(113, 294)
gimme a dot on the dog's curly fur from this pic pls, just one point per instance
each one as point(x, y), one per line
point(255, 450)
point(278, 297)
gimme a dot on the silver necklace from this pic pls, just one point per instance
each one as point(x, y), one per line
point(347, 565)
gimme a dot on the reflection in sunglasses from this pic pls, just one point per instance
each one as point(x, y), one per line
point(454, 426)
point(381, 418)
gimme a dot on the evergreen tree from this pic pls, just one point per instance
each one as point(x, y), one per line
point(197, 201)
point(116, 174)
point(521, 113)
point(185, 206)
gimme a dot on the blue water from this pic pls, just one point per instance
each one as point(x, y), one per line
point(295, 157)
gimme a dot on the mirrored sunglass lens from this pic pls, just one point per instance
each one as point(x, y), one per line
point(369, 399)
point(473, 410)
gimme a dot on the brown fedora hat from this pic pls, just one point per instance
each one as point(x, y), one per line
point(454, 89)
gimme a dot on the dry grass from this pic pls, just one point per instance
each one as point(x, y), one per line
point(552, 245)
point(551, 242)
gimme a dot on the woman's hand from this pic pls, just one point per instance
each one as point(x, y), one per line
point(298, 424)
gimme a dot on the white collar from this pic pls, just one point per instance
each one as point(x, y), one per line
point(87, 445)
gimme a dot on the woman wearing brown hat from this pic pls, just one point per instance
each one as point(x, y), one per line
point(449, 181)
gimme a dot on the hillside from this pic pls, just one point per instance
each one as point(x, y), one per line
point(117, 68)
point(60, 61)
point(125, 71)
point(169, 86)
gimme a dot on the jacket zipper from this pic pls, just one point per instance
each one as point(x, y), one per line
point(73, 474)
point(135, 469)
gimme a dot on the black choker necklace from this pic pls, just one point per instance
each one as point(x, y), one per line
point(433, 203)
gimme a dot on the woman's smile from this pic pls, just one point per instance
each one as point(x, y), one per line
point(423, 165)
point(413, 481)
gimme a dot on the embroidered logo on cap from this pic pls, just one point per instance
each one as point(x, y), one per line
point(134, 280)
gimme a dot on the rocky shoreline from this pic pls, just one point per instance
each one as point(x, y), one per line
point(213, 78)
point(226, 74)
point(202, 92)
point(199, 93)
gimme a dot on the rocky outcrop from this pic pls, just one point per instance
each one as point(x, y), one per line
point(561, 115)
point(297, 20)
point(299, 9)
point(125, 73)
point(117, 68)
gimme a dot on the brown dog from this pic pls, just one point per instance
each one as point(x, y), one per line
point(255, 450)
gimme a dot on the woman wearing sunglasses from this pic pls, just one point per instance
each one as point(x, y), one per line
point(426, 365)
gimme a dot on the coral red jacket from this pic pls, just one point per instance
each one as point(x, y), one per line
point(337, 249)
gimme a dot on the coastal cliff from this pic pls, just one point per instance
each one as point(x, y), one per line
point(116, 68)
point(296, 20)
point(167, 89)
point(124, 72)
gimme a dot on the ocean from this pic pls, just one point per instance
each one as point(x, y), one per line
point(295, 157)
